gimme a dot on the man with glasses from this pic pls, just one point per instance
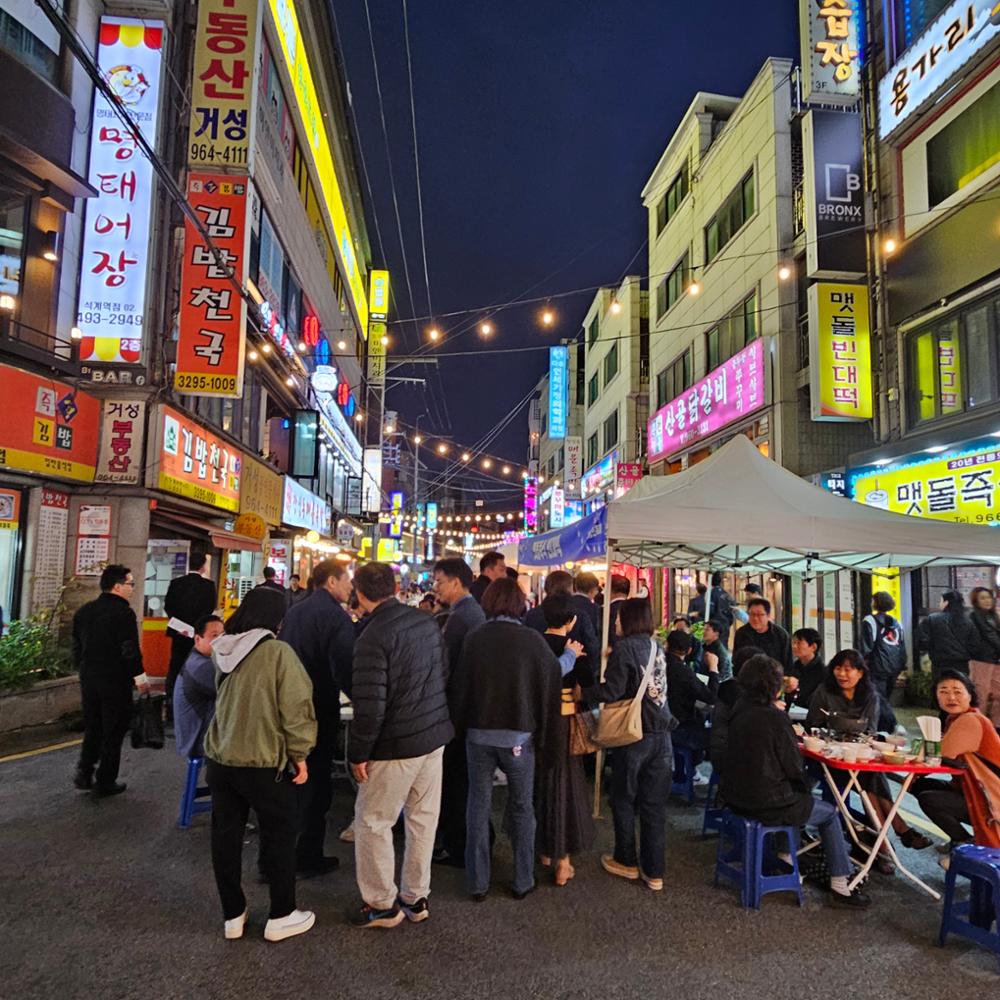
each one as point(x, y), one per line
point(107, 657)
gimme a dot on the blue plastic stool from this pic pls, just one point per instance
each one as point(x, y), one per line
point(763, 884)
point(684, 771)
point(734, 855)
point(713, 814)
point(973, 918)
point(743, 853)
point(190, 806)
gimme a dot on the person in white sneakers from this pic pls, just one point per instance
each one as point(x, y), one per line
point(257, 744)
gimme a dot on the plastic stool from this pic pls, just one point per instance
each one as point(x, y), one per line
point(684, 771)
point(713, 814)
point(190, 806)
point(973, 918)
point(734, 855)
point(763, 884)
point(742, 854)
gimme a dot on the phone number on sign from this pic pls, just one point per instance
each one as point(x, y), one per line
point(112, 319)
point(206, 383)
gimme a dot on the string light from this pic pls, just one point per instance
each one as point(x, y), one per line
point(303, 347)
point(486, 328)
point(253, 355)
point(434, 333)
point(694, 288)
point(487, 463)
point(506, 470)
point(289, 381)
point(784, 272)
point(266, 349)
point(359, 417)
point(341, 345)
point(548, 317)
point(889, 246)
point(466, 456)
point(417, 439)
point(442, 449)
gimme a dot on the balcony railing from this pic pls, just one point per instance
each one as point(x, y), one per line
point(37, 345)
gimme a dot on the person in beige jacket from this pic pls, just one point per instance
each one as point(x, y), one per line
point(257, 744)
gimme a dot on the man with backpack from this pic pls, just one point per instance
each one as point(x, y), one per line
point(882, 644)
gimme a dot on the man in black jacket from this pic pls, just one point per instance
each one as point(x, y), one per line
point(401, 725)
point(188, 598)
point(322, 634)
point(807, 671)
point(107, 657)
point(491, 567)
point(561, 582)
point(763, 633)
point(685, 690)
point(586, 587)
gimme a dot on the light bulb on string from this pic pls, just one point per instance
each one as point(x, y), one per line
point(485, 328)
point(616, 307)
point(548, 317)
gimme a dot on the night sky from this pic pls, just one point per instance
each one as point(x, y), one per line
point(538, 124)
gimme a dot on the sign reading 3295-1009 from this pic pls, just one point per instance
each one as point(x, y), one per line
point(206, 383)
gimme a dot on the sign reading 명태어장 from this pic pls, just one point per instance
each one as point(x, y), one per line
point(111, 314)
point(830, 31)
point(211, 343)
point(222, 85)
point(558, 391)
point(727, 394)
point(194, 463)
point(840, 369)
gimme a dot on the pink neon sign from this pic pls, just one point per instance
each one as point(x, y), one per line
point(729, 393)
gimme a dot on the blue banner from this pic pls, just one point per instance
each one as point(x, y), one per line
point(558, 391)
point(584, 539)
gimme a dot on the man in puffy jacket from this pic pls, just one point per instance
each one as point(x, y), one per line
point(882, 644)
point(765, 634)
point(401, 725)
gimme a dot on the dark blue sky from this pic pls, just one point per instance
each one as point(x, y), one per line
point(538, 124)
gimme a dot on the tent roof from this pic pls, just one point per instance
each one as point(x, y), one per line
point(740, 509)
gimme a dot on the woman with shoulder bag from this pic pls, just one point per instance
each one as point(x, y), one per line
point(642, 772)
point(257, 744)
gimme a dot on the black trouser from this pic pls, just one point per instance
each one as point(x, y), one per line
point(180, 650)
point(454, 795)
point(107, 712)
point(315, 795)
point(235, 791)
point(943, 803)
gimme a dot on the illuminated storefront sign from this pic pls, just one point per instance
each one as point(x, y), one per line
point(432, 516)
point(378, 282)
point(830, 32)
point(531, 504)
point(222, 90)
point(211, 342)
point(371, 487)
point(727, 394)
point(627, 474)
point(261, 491)
point(558, 391)
point(557, 512)
point(600, 476)
point(120, 459)
point(840, 372)
point(953, 38)
point(114, 260)
point(574, 462)
point(303, 509)
point(396, 502)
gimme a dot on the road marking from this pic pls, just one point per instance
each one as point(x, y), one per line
point(35, 753)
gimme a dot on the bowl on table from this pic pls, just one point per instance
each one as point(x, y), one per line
point(895, 757)
point(813, 743)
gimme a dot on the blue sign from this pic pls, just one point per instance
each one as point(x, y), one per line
point(432, 516)
point(558, 391)
point(586, 539)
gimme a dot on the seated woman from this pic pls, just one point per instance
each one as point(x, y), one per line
point(725, 701)
point(763, 776)
point(974, 798)
point(847, 695)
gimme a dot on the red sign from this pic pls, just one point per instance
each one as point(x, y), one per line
point(210, 348)
point(627, 474)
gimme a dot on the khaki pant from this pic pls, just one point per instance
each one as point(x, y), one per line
point(413, 787)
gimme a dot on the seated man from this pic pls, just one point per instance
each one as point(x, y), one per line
point(808, 669)
point(684, 690)
point(682, 623)
point(712, 642)
point(194, 692)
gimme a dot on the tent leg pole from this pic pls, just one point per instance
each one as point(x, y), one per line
point(605, 637)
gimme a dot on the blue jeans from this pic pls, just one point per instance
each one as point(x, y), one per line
point(520, 817)
point(826, 818)
point(641, 776)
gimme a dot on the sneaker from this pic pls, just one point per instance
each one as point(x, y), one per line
point(368, 916)
point(347, 834)
point(857, 900)
point(234, 927)
point(656, 884)
point(105, 791)
point(297, 922)
point(416, 912)
point(315, 867)
point(945, 862)
point(83, 779)
point(915, 840)
point(611, 866)
point(700, 780)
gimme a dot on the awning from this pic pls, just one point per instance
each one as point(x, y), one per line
point(221, 538)
point(583, 539)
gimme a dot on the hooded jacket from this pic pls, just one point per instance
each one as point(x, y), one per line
point(949, 638)
point(264, 709)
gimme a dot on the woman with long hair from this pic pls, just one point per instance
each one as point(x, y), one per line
point(986, 622)
point(947, 636)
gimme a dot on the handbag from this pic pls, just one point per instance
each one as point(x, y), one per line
point(620, 723)
point(581, 734)
point(147, 723)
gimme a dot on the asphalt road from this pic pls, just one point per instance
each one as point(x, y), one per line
point(108, 899)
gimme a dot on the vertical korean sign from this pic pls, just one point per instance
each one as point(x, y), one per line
point(840, 376)
point(222, 88)
point(211, 345)
point(531, 505)
point(114, 260)
point(830, 33)
point(558, 391)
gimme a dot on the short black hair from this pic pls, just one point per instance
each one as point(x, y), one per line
point(512, 574)
point(263, 607)
point(490, 560)
point(322, 572)
point(953, 600)
point(428, 599)
point(717, 578)
point(504, 598)
point(883, 601)
point(951, 674)
point(810, 636)
point(715, 625)
point(375, 581)
point(294, 576)
point(680, 618)
point(558, 610)
point(196, 560)
point(753, 588)
point(559, 582)
point(760, 679)
point(586, 583)
point(620, 584)
point(112, 576)
point(701, 588)
point(455, 569)
point(204, 621)
point(743, 655)
point(760, 602)
point(636, 617)
point(269, 573)
point(679, 642)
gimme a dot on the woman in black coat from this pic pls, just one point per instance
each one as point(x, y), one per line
point(986, 622)
point(948, 636)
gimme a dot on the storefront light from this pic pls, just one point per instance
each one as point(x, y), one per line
point(312, 536)
point(7, 303)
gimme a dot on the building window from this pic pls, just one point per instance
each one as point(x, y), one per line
point(909, 18)
point(733, 332)
point(592, 449)
point(674, 195)
point(594, 389)
point(672, 287)
point(735, 211)
point(611, 431)
point(674, 379)
point(12, 219)
point(952, 363)
point(593, 331)
point(611, 364)
point(27, 47)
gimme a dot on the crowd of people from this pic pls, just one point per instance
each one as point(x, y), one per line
point(444, 702)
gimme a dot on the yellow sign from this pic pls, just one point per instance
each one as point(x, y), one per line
point(379, 297)
point(376, 354)
point(251, 525)
point(222, 86)
point(840, 372)
point(307, 101)
point(388, 550)
point(887, 581)
point(961, 486)
point(262, 492)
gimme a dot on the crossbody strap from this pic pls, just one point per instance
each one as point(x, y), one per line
point(647, 674)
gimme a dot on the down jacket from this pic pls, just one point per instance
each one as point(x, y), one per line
point(949, 638)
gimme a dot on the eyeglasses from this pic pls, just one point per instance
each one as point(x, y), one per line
point(128, 583)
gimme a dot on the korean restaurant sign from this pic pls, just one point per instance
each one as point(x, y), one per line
point(960, 486)
point(727, 394)
point(303, 509)
point(47, 427)
point(574, 463)
point(627, 474)
point(531, 505)
point(602, 475)
point(396, 502)
point(211, 343)
point(840, 369)
point(829, 32)
point(261, 491)
point(194, 463)
point(114, 261)
point(318, 146)
point(558, 391)
point(961, 30)
point(222, 86)
point(124, 425)
point(378, 300)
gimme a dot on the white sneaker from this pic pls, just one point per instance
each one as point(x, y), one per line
point(699, 780)
point(297, 922)
point(347, 834)
point(234, 927)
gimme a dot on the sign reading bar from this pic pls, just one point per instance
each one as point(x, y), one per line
point(211, 344)
point(558, 391)
point(727, 394)
point(113, 263)
point(120, 459)
point(222, 90)
point(840, 370)
point(831, 65)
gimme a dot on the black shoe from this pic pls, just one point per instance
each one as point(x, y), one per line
point(444, 857)
point(368, 916)
point(480, 897)
point(416, 912)
point(315, 867)
point(106, 791)
point(915, 840)
point(857, 900)
point(83, 779)
point(520, 895)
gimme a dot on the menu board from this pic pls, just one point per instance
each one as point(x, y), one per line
point(50, 550)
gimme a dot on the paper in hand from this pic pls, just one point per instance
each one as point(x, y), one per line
point(181, 627)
